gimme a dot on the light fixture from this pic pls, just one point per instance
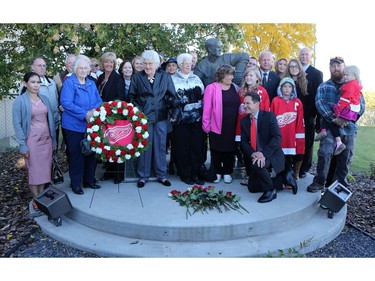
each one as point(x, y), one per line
point(334, 198)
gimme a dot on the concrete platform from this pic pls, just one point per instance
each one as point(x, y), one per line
point(124, 221)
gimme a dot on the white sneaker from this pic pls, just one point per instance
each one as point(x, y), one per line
point(218, 178)
point(228, 178)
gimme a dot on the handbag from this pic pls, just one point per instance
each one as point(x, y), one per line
point(85, 147)
point(57, 174)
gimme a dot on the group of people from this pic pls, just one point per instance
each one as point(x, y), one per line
point(226, 102)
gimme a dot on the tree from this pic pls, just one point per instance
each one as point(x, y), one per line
point(21, 42)
point(284, 40)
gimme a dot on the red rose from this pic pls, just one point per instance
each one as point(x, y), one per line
point(114, 103)
point(131, 113)
point(137, 124)
point(145, 127)
point(89, 125)
point(138, 136)
point(228, 193)
point(98, 121)
point(108, 110)
point(174, 192)
point(120, 110)
point(144, 142)
point(131, 151)
point(94, 135)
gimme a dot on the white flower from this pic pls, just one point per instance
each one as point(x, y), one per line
point(140, 145)
point(135, 118)
point(95, 128)
point(138, 129)
point(137, 154)
point(135, 109)
point(145, 135)
point(130, 104)
point(125, 112)
point(118, 152)
point(96, 113)
point(127, 157)
point(119, 104)
point(107, 147)
point(89, 130)
point(102, 117)
point(110, 160)
point(129, 146)
point(143, 121)
point(88, 137)
point(97, 139)
point(98, 150)
point(114, 111)
point(119, 160)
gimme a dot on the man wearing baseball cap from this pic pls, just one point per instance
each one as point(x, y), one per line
point(327, 95)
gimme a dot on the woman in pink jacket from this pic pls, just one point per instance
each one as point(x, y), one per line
point(220, 109)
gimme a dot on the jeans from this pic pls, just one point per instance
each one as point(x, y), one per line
point(343, 160)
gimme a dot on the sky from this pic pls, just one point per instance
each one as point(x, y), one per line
point(343, 29)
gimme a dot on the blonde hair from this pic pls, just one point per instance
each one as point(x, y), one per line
point(354, 70)
point(245, 87)
point(108, 56)
point(301, 79)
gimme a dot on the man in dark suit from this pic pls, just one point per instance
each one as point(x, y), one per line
point(311, 117)
point(270, 80)
point(267, 154)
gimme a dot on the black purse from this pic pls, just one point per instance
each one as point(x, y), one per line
point(57, 174)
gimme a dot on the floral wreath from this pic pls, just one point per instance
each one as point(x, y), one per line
point(117, 132)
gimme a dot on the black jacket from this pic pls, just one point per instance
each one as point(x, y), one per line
point(154, 101)
point(114, 89)
point(268, 136)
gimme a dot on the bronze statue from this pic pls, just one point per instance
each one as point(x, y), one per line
point(207, 67)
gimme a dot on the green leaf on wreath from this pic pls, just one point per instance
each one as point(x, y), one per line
point(110, 120)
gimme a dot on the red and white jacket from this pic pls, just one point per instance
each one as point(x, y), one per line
point(264, 105)
point(289, 115)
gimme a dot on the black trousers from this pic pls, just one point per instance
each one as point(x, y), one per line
point(187, 151)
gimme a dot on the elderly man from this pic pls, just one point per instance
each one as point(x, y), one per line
point(207, 67)
point(328, 94)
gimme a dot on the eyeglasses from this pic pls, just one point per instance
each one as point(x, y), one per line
point(95, 65)
point(293, 66)
point(40, 65)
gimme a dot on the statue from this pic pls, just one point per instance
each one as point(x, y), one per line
point(207, 67)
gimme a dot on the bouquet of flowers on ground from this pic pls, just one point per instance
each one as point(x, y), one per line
point(202, 199)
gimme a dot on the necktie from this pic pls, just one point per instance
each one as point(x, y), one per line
point(253, 133)
point(264, 80)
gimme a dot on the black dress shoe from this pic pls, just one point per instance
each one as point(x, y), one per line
point(77, 190)
point(268, 196)
point(165, 182)
point(91, 185)
point(197, 180)
point(188, 181)
point(302, 174)
point(141, 184)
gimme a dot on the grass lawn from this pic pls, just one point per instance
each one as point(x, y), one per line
point(364, 153)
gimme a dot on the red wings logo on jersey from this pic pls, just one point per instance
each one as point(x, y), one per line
point(286, 118)
point(121, 133)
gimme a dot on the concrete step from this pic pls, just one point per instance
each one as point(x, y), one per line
point(122, 220)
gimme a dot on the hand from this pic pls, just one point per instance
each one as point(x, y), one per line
point(340, 121)
point(89, 115)
point(61, 108)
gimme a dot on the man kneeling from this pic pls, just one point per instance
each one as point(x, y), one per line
point(260, 142)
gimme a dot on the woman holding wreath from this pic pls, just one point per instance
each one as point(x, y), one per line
point(79, 98)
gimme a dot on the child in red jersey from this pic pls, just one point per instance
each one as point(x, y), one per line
point(289, 114)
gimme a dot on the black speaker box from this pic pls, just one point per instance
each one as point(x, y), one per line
point(53, 202)
point(335, 197)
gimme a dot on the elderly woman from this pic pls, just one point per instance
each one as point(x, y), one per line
point(111, 87)
point(220, 109)
point(152, 91)
point(187, 130)
point(79, 98)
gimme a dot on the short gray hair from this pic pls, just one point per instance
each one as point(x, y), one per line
point(79, 59)
point(151, 55)
point(182, 57)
